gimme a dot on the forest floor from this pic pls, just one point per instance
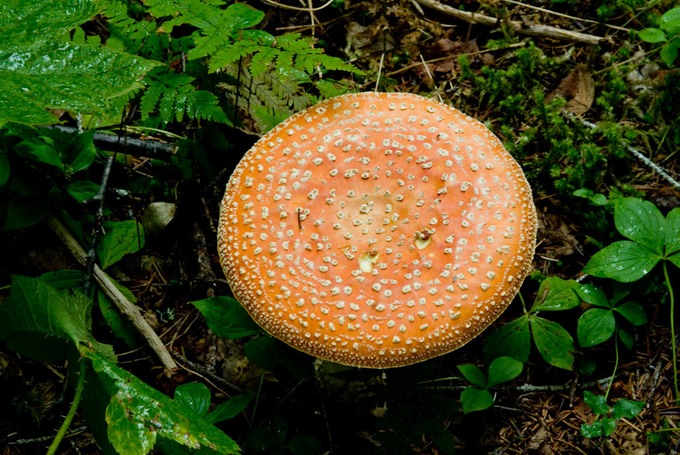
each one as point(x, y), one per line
point(606, 76)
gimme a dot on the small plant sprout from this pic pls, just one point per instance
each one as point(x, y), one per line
point(605, 425)
point(553, 342)
point(667, 33)
point(652, 239)
point(478, 397)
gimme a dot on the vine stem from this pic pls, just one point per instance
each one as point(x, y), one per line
point(672, 322)
point(72, 410)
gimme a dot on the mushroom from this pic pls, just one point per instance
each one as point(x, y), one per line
point(377, 229)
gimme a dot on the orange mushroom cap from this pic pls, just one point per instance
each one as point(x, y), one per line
point(377, 229)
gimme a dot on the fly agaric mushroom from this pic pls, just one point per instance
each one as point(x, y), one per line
point(377, 230)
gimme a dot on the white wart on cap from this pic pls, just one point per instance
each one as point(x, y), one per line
point(377, 230)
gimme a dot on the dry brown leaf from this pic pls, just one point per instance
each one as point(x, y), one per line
point(578, 88)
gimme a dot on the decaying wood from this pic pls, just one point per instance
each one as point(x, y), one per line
point(124, 305)
point(545, 31)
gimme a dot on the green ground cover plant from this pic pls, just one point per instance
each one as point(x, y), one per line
point(201, 74)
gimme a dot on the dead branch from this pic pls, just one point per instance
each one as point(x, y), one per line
point(545, 31)
point(124, 305)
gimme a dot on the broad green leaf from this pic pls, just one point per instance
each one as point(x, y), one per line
point(20, 212)
point(673, 232)
point(473, 374)
point(82, 190)
point(626, 338)
point(670, 21)
point(598, 403)
point(41, 20)
point(553, 342)
point(5, 168)
point(39, 310)
point(595, 326)
point(41, 69)
point(556, 294)
point(669, 52)
point(226, 317)
point(120, 238)
point(593, 295)
point(513, 339)
point(503, 369)
point(475, 400)
point(194, 396)
point(138, 414)
point(640, 221)
point(627, 409)
point(608, 426)
point(622, 261)
point(652, 35)
point(633, 312)
point(229, 409)
point(592, 430)
point(82, 151)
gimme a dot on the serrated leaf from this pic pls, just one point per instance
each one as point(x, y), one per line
point(556, 294)
point(120, 238)
point(627, 408)
point(226, 317)
point(622, 261)
point(473, 374)
point(229, 409)
point(652, 35)
point(40, 72)
point(595, 326)
point(553, 342)
point(513, 339)
point(598, 403)
point(640, 221)
point(633, 312)
point(194, 396)
point(36, 308)
point(475, 400)
point(137, 414)
point(503, 369)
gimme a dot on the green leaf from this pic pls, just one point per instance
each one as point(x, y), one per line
point(226, 317)
point(82, 151)
point(229, 409)
point(5, 168)
point(622, 261)
point(553, 342)
point(475, 400)
point(473, 374)
point(652, 35)
point(36, 308)
point(670, 21)
point(513, 339)
point(593, 295)
point(626, 338)
point(598, 403)
point(595, 326)
point(669, 52)
point(194, 396)
point(42, 71)
point(503, 369)
point(608, 426)
point(673, 232)
point(592, 430)
point(640, 221)
point(633, 312)
point(82, 190)
point(627, 408)
point(556, 294)
point(138, 414)
point(120, 238)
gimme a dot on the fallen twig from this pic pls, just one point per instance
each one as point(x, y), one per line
point(124, 305)
point(546, 31)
